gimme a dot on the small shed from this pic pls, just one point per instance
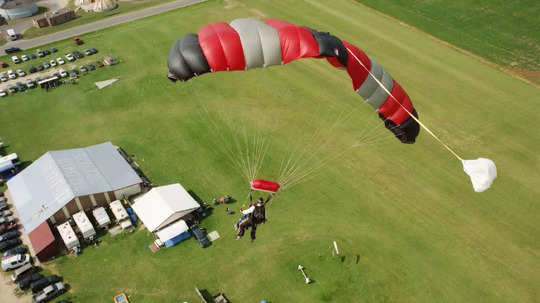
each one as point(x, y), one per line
point(173, 233)
point(85, 226)
point(68, 235)
point(120, 214)
point(43, 242)
point(101, 216)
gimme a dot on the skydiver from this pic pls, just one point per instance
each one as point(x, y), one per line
point(256, 215)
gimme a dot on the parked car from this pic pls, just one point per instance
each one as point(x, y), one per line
point(54, 49)
point(87, 52)
point(20, 86)
point(9, 235)
point(22, 271)
point(70, 57)
point(40, 53)
point(39, 284)
point(24, 283)
point(15, 59)
point(24, 58)
point(30, 83)
point(12, 89)
point(10, 218)
point(3, 77)
point(39, 67)
point(91, 67)
point(93, 51)
point(99, 64)
point(5, 227)
point(83, 69)
point(5, 213)
point(77, 54)
point(63, 73)
point(20, 72)
point(14, 251)
point(11, 74)
point(200, 235)
point(12, 50)
point(32, 69)
point(77, 41)
point(46, 52)
point(15, 261)
point(49, 292)
point(60, 61)
point(46, 65)
point(3, 64)
point(74, 71)
point(2, 93)
point(31, 56)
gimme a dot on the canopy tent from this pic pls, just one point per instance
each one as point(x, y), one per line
point(173, 233)
point(164, 205)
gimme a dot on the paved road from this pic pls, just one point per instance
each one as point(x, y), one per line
point(111, 21)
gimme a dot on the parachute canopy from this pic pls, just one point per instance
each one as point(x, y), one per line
point(250, 43)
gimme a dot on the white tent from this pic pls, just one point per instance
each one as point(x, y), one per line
point(163, 205)
point(173, 230)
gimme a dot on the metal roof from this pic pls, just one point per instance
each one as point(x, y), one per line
point(41, 237)
point(57, 177)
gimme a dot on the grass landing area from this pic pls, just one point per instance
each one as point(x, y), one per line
point(505, 32)
point(408, 224)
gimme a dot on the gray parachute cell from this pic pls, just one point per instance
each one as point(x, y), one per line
point(260, 42)
point(370, 85)
point(380, 95)
point(186, 59)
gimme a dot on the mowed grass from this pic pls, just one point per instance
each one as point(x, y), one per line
point(405, 217)
point(504, 32)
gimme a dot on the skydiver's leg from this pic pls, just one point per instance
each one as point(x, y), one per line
point(253, 231)
point(242, 229)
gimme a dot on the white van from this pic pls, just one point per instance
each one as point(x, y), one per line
point(15, 261)
point(11, 34)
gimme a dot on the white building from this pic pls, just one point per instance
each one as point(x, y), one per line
point(15, 9)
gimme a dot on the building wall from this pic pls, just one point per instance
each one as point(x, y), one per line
point(49, 252)
point(127, 192)
point(19, 12)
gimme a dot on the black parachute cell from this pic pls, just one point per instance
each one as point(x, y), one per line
point(330, 46)
point(186, 59)
point(407, 131)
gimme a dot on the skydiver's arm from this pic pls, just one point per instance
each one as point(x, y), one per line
point(269, 197)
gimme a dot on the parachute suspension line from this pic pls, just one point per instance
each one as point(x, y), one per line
point(403, 107)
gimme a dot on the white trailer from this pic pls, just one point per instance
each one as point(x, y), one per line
point(120, 214)
point(85, 226)
point(68, 235)
point(101, 216)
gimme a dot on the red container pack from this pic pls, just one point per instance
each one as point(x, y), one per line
point(264, 185)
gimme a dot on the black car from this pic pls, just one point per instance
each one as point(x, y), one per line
point(12, 50)
point(9, 244)
point(14, 251)
point(77, 54)
point(32, 69)
point(200, 235)
point(12, 89)
point(9, 235)
point(91, 67)
point(25, 282)
point(76, 72)
point(46, 52)
point(21, 86)
point(54, 49)
point(41, 283)
point(31, 56)
point(93, 51)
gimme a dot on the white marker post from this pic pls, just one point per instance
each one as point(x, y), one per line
point(301, 268)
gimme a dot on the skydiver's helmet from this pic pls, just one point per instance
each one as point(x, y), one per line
point(260, 200)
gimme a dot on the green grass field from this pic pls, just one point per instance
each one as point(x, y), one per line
point(504, 32)
point(407, 211)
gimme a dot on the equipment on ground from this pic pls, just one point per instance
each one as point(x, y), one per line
point(301, 268)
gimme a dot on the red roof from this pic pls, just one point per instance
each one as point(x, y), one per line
point(41, 237)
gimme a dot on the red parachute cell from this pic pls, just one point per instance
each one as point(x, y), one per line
point(264, 185)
